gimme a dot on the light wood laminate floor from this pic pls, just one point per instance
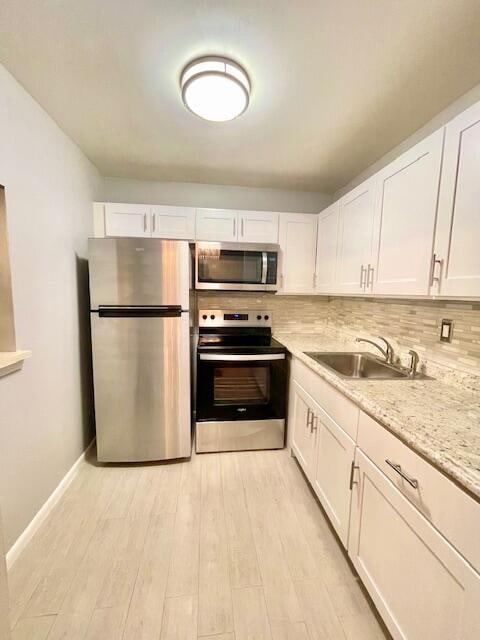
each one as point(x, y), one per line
point(229, 546)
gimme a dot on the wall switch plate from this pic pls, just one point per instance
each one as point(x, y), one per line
point(446, 332)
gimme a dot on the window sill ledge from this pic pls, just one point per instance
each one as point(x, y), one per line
point(11, 361)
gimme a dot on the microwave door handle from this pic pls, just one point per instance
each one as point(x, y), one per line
point(264, 267)
point(241, 357)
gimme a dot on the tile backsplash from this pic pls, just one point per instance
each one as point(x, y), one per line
point(409, 324)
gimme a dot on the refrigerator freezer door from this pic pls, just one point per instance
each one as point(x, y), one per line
point(138, 271)
point(142, 387)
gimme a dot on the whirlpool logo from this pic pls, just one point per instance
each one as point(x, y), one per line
point(242, 409)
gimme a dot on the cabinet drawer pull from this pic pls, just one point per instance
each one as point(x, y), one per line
point(352, 473)
point(396, 467)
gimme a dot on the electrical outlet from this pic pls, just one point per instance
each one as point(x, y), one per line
point(446, 332)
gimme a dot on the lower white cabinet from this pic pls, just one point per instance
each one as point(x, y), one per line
point(333, 471)
point(325, 453)
point(127, 220)
point(176, 223)
point(304, 439)
point(4, 614)
point(421, 586)
point(298, 243)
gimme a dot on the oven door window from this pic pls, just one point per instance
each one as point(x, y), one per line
point(232, 267)
point(241, 385)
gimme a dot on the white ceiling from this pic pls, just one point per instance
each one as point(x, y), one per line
point(336, 83)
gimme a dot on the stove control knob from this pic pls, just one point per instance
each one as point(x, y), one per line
point(267, 317)
point(204, 316)
point(212, 317)
point(259, 317)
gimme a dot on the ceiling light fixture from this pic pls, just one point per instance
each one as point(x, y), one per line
point(215, 88)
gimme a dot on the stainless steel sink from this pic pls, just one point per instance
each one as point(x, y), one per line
point(361, 366)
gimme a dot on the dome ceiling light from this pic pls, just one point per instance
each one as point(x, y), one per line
point(215, 89)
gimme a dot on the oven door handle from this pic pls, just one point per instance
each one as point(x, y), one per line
point(264, 267)
point(241, 357)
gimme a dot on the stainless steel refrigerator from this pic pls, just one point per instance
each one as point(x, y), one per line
point(139, 301)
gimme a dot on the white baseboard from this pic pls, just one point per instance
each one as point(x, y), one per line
point(32, 528)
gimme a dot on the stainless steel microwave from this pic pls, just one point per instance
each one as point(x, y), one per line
point(236, 266)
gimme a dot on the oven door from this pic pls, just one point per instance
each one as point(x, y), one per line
point(241, 386)
point(235, 266)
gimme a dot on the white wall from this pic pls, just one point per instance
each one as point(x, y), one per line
point(465, 101)
point(45, 422)
point(215, 196)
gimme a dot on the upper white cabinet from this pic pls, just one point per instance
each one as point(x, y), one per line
point(173, 222)
point(258, 226)
point(327, 241)
point(354, 261)
point(298, 239)
point(217, 225)
point(457, 272)
point(224, 225)
point(420, 585)
point(405, 215)
point(123, 220)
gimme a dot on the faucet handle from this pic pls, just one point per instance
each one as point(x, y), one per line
point(413, 363)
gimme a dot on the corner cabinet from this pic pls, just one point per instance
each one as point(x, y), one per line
point(457, 259)
point(419, 583)
point(405, 214)
point(298, 244)
point(355, 237)
point(327, 242)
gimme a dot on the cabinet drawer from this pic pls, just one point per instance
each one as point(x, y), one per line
point(340, 409)
point(452, 511)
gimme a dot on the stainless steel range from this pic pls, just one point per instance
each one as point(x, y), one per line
point(241, 382)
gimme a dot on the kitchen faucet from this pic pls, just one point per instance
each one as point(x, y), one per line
point(387, 353)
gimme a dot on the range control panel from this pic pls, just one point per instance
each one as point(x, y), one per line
point(234, 318)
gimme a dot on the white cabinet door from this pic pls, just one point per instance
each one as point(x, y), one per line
point(258, 226)
point(327, 242)
point(354, 262)
point(127, 220)
point(4, 597)
point(300, 421)
point(421, 586)
point(298, 240)
point(458, 228)
point(336, 451)
point(405, 215)
point(217, 225)
point(177, 223)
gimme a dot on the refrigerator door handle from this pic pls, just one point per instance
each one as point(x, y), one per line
point(173, 311)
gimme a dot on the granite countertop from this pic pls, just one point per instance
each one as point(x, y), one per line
point(437, 419)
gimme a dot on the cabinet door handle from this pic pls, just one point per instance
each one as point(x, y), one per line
point(396, 467)
point(144, 222)
point(154, 218)
point(370, 270)
point(234, 227)
point(310, 417)
point(352, 473)
point(314, 422)
point(433, 278)
point(363, 272)
point(242, 229)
